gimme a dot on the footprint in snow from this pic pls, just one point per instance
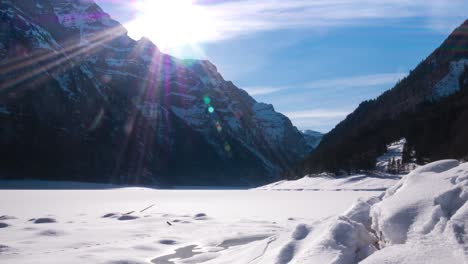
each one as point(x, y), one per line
point(4, 248)
point(45, 220)
point(7, 217)
point(167, 242)
point(127, 217)
point(286, 254)
point(200, 216)
point(145, 248)
point(300, 232)
point(111, 215)
point(121, 217)
point(125, 262)
point(51, 233)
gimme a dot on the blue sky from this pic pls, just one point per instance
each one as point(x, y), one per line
point(314, 60)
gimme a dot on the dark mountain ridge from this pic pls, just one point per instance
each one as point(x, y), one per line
point(429, 108)
point(81, 101)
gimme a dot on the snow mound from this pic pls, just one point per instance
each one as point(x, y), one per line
point(345, 239)
point(425, 213)
point(422, 219)
point(438, 166)
point(362, 182)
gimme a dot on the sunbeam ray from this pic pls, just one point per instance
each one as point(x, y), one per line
point(66, 58)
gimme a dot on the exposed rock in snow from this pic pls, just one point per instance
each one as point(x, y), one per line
point(451, 82)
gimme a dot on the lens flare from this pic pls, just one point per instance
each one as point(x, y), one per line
point(206, 100)
point(227, 147)
point(171, 23)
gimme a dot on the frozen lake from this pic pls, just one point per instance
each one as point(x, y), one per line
point(140, 225)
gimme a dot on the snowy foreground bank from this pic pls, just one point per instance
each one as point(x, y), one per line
point(353, 183)
point(422, 218)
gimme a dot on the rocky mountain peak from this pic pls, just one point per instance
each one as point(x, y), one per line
point(119, 110)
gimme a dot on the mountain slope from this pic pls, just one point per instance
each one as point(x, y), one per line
point(80, 100)
point(312, 138)
point(429, 108)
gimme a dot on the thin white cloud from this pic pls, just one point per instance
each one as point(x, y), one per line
point(358, 81)
point(233, 18)
point(342, 83)
point(228, 19)
point(321, 120)
point(262, 90)
point(324, 119)
point(317, 114)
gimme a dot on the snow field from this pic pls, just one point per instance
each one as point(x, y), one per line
point(140, 225)
point(421, 218)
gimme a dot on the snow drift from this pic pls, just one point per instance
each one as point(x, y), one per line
point(323, 182)
point(422, 219)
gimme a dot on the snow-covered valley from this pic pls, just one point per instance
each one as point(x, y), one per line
point(421, 216)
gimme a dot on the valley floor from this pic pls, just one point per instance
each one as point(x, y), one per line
point(142, 225)
point(228, 226)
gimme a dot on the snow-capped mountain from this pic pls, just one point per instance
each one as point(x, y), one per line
point(429, 108)
point(80, 100)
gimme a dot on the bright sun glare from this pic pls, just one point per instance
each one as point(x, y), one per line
point(170, 23)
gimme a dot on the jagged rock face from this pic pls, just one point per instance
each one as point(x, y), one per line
point(429, 108)
point(80, 100)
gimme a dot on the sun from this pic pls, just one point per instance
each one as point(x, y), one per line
point(170, 23)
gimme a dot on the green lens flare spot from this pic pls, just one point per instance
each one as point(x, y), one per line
point(227, 147)
point(211, 109)
point(206, 100)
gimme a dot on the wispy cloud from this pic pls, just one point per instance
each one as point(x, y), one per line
point(262, 90)
point(342, 83)
point(357, 81)
point(232, 18)
point(317, 114)
point(317, 119)
point(224, 19)
point(323, 119)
